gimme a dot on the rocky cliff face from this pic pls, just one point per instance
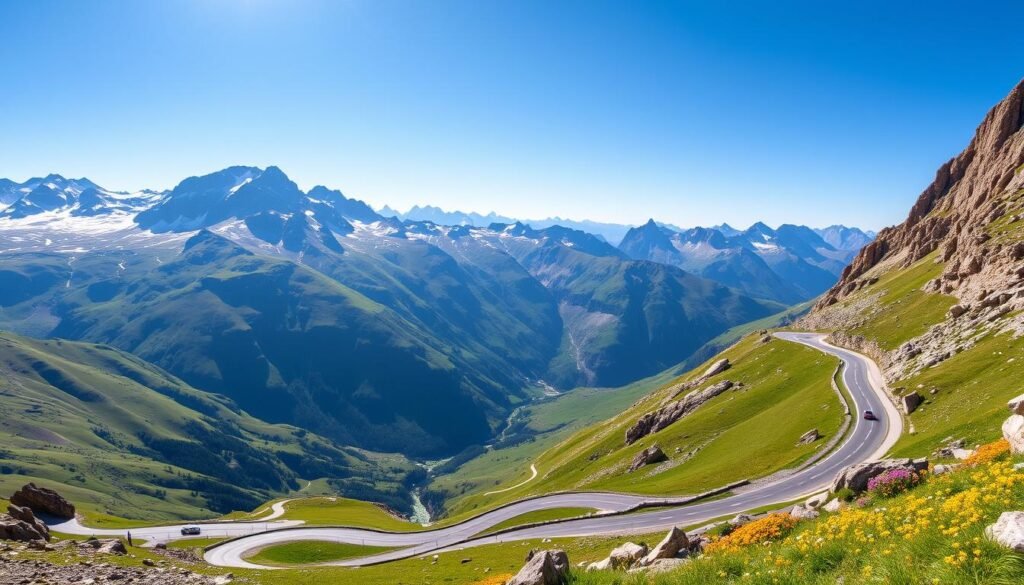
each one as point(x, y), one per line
point(970, 216)
point(982, 185)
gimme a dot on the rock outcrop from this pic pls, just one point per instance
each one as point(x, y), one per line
point(548, 567)
point(856, 477)
point(652, 454)
point(43, 501)
point(674, 542)
point(1008, 530)
point(653, 422)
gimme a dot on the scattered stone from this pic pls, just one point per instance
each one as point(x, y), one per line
point(802, 513)
point(549, 567)
point(1008, 530)
point(834, 505)
point(855, 477)
point(816, 501)
point(466, 560)
point(740, 519)
point(961, 454)
point(809, 437)
point(652, 454)
point(626, 555)
point(110, 546)
point(957, 310)
point(669, 547)
point(43, 501)
point(602, 565)
point(660, 566)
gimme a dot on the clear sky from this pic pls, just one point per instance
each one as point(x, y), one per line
point(693, 113)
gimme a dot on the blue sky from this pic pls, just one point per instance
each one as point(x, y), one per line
point(693, 113)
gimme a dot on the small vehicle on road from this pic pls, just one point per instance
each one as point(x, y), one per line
point(869, 415)
point(190, 530)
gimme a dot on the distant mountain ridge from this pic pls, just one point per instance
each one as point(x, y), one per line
point(789, 264)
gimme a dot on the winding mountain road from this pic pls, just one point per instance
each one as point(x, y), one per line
point(868, 440)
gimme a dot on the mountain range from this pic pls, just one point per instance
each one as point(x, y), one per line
point(790, 264)
point(310, 308)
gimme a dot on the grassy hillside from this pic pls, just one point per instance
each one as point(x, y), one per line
point(335, 511)
point(965, 395)
point(786, 390)
point(899, 310)
point(121, 437)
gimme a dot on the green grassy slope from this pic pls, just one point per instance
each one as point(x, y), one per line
point(786, 391)
point(311, 552)
point(972, 390)
point(902, 311)
point(121, 437)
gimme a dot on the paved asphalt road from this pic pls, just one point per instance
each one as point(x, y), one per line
point(868, 440)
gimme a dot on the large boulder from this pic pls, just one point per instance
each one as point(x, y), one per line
point(809, 437)
point(12, 528)
point(548, 567)
point(625, 556)
point(1008, 530)
point(1013, 432)
point(26, 515)
point(909, 402)
point(716, 368)
point(856, 477)
point(652, 454)
point(43, 501)
point(670, 546)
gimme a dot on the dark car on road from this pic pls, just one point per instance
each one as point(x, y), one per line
point(190, 531)
point(869, 415)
